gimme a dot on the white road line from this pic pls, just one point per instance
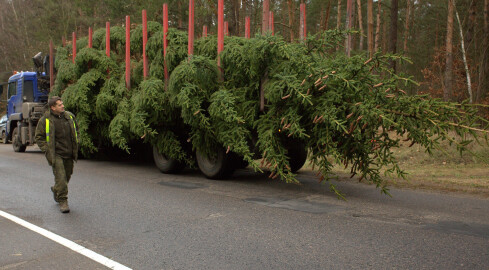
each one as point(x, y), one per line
point(67, 243)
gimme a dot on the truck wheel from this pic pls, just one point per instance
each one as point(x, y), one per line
point(217, 167)
point(297, 153)
point(165, 164)
point(16, 142)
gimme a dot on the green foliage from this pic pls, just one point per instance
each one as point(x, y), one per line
point(344, 109)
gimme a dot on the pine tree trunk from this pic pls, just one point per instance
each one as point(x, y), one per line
point(377, 31)
point(338, 18)
point(484, 58)
point(338, 21)
point(290, 5)
point(447, 90)
point(348, 25)
point(406, 25)
point(326, 19)
point(385, 40)
point(469, 35)
point(370, 27)
point(393, 31)
point(236, 7)
point(265, 16)
point(360, 23)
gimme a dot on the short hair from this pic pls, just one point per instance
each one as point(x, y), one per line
point(52, 101)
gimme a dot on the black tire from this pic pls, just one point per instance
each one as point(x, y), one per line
point(218, 167)
point(16, 141)
point(164, 164)
point(297, 153)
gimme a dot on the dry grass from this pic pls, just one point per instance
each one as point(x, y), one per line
point(445, 170)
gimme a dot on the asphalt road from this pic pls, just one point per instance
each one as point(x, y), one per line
point(131, 213)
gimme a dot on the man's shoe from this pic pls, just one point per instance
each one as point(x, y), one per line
point(63, 207)
point(54, 195)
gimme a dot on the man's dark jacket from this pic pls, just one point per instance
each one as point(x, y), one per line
point(49, 146)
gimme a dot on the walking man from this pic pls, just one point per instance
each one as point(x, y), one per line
point(57, 136)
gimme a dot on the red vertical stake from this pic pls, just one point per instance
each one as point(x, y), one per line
point(270, 23)
point(165, 37)
point(107, 39)
point(74, 46)
point(128, 52)
point(204, 31)
point(220, 32)
point(265, 16)
point(145, 40)
point(226, 28)
point(247, 27)
point(51, 66)
point(190, 28)
point(90, 37)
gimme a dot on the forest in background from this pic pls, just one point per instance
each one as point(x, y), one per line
point(426, 31)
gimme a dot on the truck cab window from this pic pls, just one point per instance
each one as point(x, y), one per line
point(12, 90)
point(28, 91)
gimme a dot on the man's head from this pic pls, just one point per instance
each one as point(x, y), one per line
point(56, 105)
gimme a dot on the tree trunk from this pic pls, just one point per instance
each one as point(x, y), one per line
point(393, 31)
point(265, 16)
point(236, 7)
point(467, 72)
point(484, 58)
point(385, 40)
point(377, 31)
point(370, 26)
point(338, 18)
point(180, 18)
point(348, 25)
point(447, 91)
point(360, 23)
point(326, 19)
point(290, 5)
point(406, 25)
point(469, 35)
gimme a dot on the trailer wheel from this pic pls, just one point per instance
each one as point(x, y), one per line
point(16, 142)
point(165, 164)
point(216, 167)
point(297, 153)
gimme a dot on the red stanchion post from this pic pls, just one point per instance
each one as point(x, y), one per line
point(226, 28)
point(51, 66)
point(270, 23)
point(107, 39)
point(265, 17)
point(145, 40)
point(90, 37)
point(190, 28)
point(128, 52)
point(220, 33)
point(165, 37)
point(247, 27)
point(204, 31)
point(74, 46)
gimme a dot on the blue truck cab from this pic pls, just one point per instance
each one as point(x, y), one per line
point(27, 96)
